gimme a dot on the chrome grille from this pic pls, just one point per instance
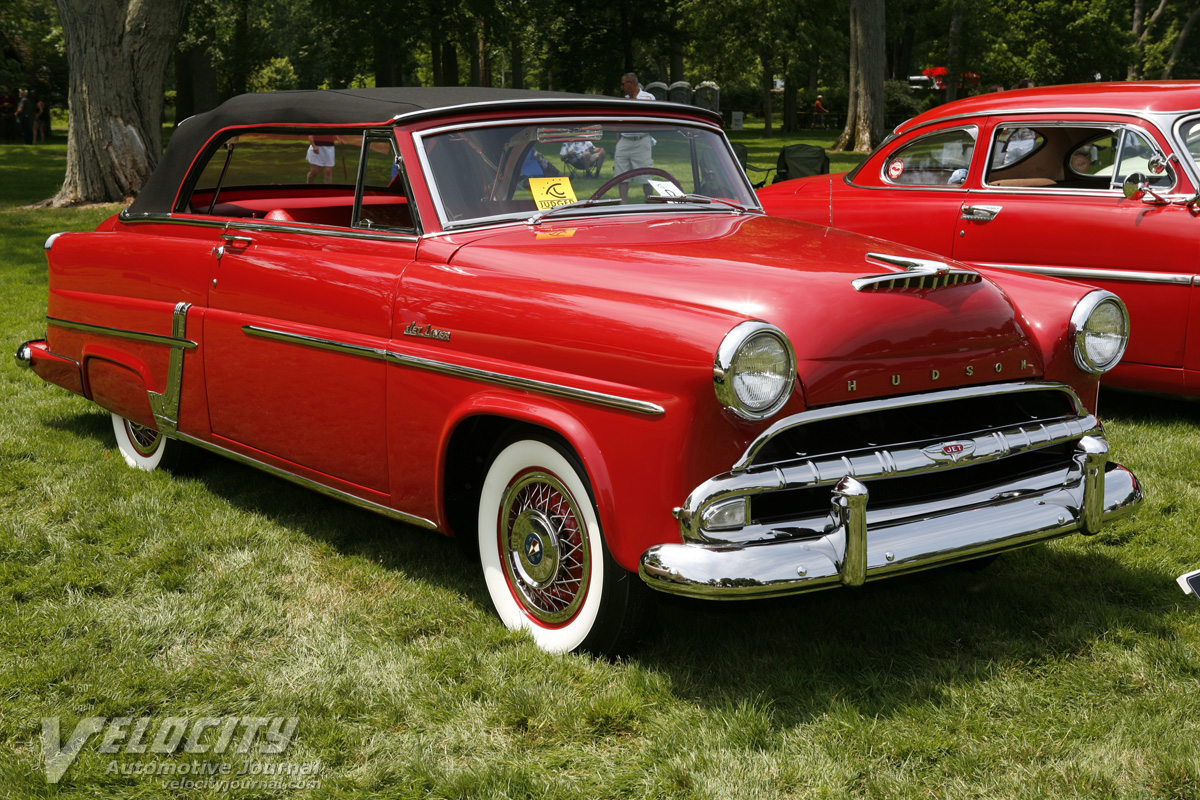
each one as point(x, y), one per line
point(952, 448)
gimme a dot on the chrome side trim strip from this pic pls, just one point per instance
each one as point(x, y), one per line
point(1080, 274)
point(137, 336)
point(165, 406)
point(236, 223)
point(470, 373)
point(1049, 113)
point(308, 483)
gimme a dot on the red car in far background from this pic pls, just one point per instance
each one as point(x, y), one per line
point(1096, 182)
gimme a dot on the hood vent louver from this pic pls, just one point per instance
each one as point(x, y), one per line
point(919, 275)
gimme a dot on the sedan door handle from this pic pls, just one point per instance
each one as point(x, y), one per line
point(980, 213)
point(235, 243)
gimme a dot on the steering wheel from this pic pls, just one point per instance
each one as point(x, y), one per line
point(633, 173)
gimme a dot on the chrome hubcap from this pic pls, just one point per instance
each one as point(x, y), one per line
point(545, 546)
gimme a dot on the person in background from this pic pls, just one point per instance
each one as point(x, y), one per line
point(633, 89)
point(633, 149)
point(41, 120)
point(819, 112)
point(22, 115)
point(320, 156)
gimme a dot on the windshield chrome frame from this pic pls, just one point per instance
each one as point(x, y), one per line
point(418, 138)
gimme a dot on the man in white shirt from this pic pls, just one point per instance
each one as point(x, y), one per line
point(633, 149)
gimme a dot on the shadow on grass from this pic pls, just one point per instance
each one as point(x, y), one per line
point(877, 649)
point(1134, 407)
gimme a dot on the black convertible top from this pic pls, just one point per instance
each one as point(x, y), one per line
point(367, 107)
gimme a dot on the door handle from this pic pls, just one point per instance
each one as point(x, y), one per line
point(980, 213)
point(237, 244)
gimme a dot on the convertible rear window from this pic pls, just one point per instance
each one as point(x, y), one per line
point(307, 177)
point(493, 173)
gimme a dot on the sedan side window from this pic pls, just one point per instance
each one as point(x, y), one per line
point(941, 159)
point(1052, 155)
point(1134, 156)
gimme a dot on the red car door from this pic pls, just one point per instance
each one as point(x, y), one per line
point(299, 315)
point(1058, 209)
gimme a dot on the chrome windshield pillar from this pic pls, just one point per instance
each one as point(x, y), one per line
point(1092, 457)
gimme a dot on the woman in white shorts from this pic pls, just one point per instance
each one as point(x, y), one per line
point(320, 157)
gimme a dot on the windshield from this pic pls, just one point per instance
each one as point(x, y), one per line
point(502, 172)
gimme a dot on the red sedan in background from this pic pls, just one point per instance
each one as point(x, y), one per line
point(1097, 183)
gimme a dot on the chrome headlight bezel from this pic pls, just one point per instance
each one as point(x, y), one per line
point(1083, 313)
point(725, 364)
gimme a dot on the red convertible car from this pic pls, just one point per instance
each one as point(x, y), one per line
point(1096, 182)
point(397, 298)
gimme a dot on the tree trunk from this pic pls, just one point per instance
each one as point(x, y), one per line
point(1183, 34)
point(516, 59)
point(1134, 73)
point(953, 46)
point(1141, 31)
point(449, 64)
point(768, 86)
point(845, 140)
point(435, 50)
point(790, 123)
point(864, 118)
point(872, 70)
point(676, 45)
point(118, 52)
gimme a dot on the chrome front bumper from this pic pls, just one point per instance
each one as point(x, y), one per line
point(851, 550)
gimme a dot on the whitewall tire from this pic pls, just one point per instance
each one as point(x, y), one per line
point(544, 560)
point(143, 447)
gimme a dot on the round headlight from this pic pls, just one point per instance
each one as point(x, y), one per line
point(754, 370)
point(1100, 331)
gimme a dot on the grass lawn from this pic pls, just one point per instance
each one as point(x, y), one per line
point(1070, 669)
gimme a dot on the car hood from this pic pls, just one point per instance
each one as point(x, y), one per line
point(849, 344)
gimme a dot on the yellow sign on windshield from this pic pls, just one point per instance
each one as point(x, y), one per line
point(551, 192)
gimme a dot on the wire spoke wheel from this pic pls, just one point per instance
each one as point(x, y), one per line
point(146, 448)
point(144, 439)
point(545, 562)
point(547, 553)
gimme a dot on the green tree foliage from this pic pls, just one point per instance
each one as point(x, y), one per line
point(33, 53)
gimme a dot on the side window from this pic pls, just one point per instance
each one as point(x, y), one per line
point(1190, 133)
point(940, 159)
point(1134, 156)
point(305, 176)
point(1052, 155)
point(1014, 145)
point(382, 200)
point(1095, 156)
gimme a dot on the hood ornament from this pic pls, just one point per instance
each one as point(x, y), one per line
point(919, 274)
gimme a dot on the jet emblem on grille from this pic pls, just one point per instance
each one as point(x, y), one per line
point(950, 451)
